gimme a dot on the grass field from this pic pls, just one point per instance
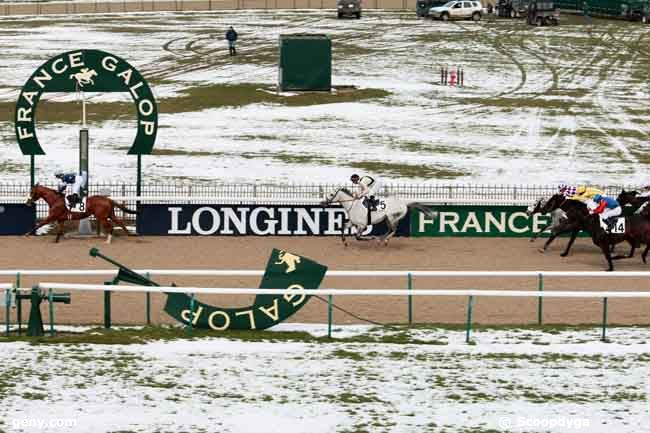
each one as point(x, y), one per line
point(539, 104)
point(549, 379)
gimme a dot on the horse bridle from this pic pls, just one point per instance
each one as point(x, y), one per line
point(330, 201)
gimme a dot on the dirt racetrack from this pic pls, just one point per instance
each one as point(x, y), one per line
point(402, 253)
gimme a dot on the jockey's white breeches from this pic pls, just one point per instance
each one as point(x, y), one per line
point(607, 213)
point(80, 181)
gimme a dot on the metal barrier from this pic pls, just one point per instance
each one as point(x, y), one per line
point(409, 292)
point(604, 295)
point(301, 193)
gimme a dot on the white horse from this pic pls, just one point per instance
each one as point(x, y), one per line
point(390, 209)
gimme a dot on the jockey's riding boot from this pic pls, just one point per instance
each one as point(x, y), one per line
point(73, 199)
point(373, 203)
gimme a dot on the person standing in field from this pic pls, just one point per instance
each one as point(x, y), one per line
point(231, 37)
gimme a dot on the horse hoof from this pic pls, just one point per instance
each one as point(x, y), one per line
point(564, 255)
point(541, 250)
point(531, 240)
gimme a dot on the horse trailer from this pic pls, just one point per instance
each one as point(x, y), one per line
point(512, 8)
point(543, 13)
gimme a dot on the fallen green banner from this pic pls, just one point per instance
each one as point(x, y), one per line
point(286, 271)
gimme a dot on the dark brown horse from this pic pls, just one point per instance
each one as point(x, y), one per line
point(631, 198)
point(99, 206)
point(637, 228)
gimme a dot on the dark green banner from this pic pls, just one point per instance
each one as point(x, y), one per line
point(477, 221)
point(86, 71)
point(286, 271)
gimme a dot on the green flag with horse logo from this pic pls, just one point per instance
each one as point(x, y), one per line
point(290, 272)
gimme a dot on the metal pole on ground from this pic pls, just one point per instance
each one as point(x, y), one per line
point(19, 313)
point(470, 303)
point(410, 298)
point(540, 287)
point(329, 316)
point(49, 300)
point(604, 337)
point(107, 308)
point(8, 307)
point(18, 301)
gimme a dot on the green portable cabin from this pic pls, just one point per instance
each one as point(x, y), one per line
point(305, 62)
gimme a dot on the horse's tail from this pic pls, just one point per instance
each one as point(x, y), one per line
point(124, 208)
point(422, 208)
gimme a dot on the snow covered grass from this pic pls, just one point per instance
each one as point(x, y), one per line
point(364, 380)
point(539, 105)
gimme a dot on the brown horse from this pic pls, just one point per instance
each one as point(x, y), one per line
point(102, 207)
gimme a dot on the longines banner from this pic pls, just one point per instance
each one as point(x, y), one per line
point(256, 220)
point(16, 219)
point(477, 221)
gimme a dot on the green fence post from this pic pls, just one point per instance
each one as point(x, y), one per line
point(410, 298)
point(189, 327)
point(604, 338)
point(19, 313)
point(49, 300)
point(470, 302)
point(148, 301)
point(19, 304)
point(8, 308)
point(540, 287)
point(329, 316)
point(107, 308)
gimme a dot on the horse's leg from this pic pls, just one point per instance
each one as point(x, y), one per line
point(536, 235)
point(120, 223)
point(390, 234)
point(346, 225)
point(548, 242)
point(361, 237)
point(108, 227)
point(574, 234)
point(47, 221)
point(645, 253)
point(604, 246)
point(60, 230)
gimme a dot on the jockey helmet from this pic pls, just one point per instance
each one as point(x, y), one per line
point(581, 189)
point(597, 197)
point(354, 178)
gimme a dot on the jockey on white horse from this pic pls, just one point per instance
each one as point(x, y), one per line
point(391, 211)
point(368, 193)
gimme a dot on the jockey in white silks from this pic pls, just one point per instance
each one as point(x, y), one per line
point(369, 190)
point(78, 181)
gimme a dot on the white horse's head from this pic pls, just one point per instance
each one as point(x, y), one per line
point(337, 196)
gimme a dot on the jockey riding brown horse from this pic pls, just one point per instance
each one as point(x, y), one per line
point(102, 207)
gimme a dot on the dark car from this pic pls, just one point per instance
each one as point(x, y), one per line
point(422, 6)
point(349, 8)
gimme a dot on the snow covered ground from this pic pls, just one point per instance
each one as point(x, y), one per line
point(509, 381)
point(540, 105)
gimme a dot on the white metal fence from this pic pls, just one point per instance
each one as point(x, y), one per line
point(298, 194)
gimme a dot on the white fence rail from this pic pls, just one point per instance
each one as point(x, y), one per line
point(369, 273)
point(330, 293)
point(346, 292)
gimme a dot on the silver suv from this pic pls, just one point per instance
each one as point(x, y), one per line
point(349, 8)
point(458, 10)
